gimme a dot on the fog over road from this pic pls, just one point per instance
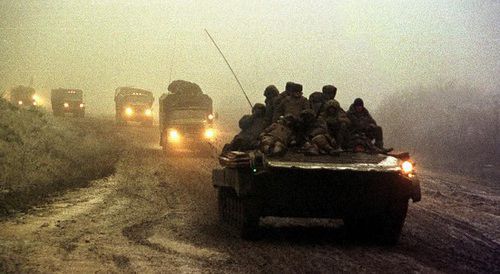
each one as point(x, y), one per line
point(158, 214)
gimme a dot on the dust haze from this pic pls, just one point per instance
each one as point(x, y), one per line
point(378, 50)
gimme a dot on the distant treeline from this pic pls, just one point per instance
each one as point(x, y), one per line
point(450, 126)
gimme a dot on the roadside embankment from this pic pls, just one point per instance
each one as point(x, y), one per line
point(40, 155)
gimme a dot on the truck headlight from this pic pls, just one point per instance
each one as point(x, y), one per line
point(81, 105)
point(210, 117)
point(209, 133)
point(173, 136)
point(407, 167)
point(66, 105)
point(148, 112)
point(129, 111)
point(20, 102)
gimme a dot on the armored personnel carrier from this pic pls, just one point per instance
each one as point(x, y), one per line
point(134, 104)
point(186, 117)
point(369, 192)
point(67, 101)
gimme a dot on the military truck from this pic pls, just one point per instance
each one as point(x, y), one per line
point(134, 104)
point(369, 192)
point(186, 117)
point(22, 96)
point(67, 101)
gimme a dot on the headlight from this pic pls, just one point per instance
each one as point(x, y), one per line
point(173, 136)
point(81, 105)
point(20, 102)
point(129, 111)
point(66, 105)
point(210, 117)
point(209, 133)
point(407, 167)
point(148, 112)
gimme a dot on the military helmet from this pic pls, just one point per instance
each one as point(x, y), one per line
point(245, 121)
point(332, 104)
point(258, 106)
point(307, 114)
point(271, 91)
point(316, 97)
point(359, 102)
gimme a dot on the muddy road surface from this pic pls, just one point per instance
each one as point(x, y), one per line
point(157, 213)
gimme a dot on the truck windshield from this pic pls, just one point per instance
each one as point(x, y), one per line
point(73, 95)
point(188, 114)
point(139, 98)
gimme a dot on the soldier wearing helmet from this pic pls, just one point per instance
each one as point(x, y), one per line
point(362, 122)
point(293, 104)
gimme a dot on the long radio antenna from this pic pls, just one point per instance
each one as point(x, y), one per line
point(230, 68)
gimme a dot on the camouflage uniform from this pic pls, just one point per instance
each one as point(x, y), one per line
point(271, 93)
point(317, 101)
point(251, 127)
point(337, 121)
point(362, 122)
point(313, 134)
point(278, 99)
point(293, 104)
point(275, 138)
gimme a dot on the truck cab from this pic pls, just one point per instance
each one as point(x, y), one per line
point(186, 121)
point(67, 101)
point(134, 105)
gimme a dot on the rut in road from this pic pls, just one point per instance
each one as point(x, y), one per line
point(158, 213)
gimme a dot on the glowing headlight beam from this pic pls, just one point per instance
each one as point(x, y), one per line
point(129, 111)
point(66, 105)
point(209, 133)
point(81, 105)
point(407, 167)
point(20, 102)
point(173, 136)
point(148, 112)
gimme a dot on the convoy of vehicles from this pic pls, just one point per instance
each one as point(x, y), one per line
point(134, 105)
point(67, 101)
point(370, 192)
point(186, 118)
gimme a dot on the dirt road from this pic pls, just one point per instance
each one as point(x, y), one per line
point(158, 214)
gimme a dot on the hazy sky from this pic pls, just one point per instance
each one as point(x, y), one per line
point(365, 48)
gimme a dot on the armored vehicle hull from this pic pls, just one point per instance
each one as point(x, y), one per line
point(369, 192)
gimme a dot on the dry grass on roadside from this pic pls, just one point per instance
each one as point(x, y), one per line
point(40, 154)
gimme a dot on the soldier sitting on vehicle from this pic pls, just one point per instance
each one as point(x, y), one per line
point(251, 127)
point(337, 121)
point(271, 93)
point(293, 104)
point(278, 99)
point(276, 138)
point(362, 122)
point(317, 101)
point(313, 134)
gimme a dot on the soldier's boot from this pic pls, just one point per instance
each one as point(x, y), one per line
point(379, 140)
point(312, 150)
